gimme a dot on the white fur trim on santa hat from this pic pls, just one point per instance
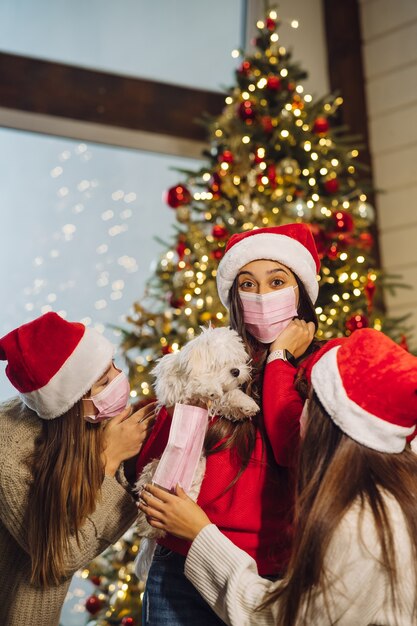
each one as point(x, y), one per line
point(362, 426)
point(90, 359)
point(281, 248)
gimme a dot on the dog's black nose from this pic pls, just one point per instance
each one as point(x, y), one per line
point(235, 372)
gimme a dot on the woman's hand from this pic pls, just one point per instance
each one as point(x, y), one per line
point(295, 338)
point(125, 434)
point(176, 514)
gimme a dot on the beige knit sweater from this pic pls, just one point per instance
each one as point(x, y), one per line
point(21, 604)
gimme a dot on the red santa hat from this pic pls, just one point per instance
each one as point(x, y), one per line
point(368, 386)
point(53, 363)
point(291, 244)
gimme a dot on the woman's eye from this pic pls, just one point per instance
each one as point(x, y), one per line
point(247, 284)
point(277, 282)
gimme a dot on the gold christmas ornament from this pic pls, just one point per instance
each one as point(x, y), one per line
point(183, 214)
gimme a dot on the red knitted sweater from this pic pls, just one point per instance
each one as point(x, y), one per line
point(256, 512)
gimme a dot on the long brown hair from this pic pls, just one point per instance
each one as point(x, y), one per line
point(241, 436)
point(67, 475)
point(327, 456)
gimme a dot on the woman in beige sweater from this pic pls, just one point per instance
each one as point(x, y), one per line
point(354, 560)
point(63, 496)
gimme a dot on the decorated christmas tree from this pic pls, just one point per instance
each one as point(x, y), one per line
point(274, 156)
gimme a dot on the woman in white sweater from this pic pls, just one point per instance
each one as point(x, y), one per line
point(354, 558)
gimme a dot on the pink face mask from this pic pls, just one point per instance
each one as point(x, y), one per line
point(112, 400)
point(180, 458)
point(267, 315)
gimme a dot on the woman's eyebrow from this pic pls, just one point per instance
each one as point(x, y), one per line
point(245, 272)
point(278, 269)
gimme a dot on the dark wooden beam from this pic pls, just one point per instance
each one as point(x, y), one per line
point(347, 76)
point(64, 91)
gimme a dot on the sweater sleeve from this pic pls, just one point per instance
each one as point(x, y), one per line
point(115, 512)
point(228, 580)
point(155, 444)
point(282, 407)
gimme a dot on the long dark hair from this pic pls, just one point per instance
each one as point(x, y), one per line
point(327, 457)
point(241, 436)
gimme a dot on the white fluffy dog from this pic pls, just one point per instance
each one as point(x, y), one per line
point(208, 370)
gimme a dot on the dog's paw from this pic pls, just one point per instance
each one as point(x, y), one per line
point(236, 405)
point(248, 406)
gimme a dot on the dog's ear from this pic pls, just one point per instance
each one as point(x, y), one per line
point(200, 355)
point(165, 364)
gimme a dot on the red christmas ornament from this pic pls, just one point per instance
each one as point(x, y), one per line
point(128, 621)
point(266, 123)
point(356, 322)
point(343, 222)
point(270, 23)
point(166, 350)
point(226, 157)
point(366, 241)
point(176, 302)
point(219, 232)
point(96, 580)
point(321, 125)
point(333, 252)
point(217, 254)
point(181, 247)
point(246, 111)
point(369, 290)
point(332, 185)
point(177, 196)
point(271, 173)
point(273, 83)
point(93, 604)
point(244, 69)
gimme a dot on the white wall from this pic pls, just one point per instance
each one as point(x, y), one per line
point(389, 32)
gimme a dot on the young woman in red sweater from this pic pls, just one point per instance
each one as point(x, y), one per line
point(266, 278)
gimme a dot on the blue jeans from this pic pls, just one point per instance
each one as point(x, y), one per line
point(170, 599)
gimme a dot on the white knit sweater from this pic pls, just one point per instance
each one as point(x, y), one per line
point(359, 596)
